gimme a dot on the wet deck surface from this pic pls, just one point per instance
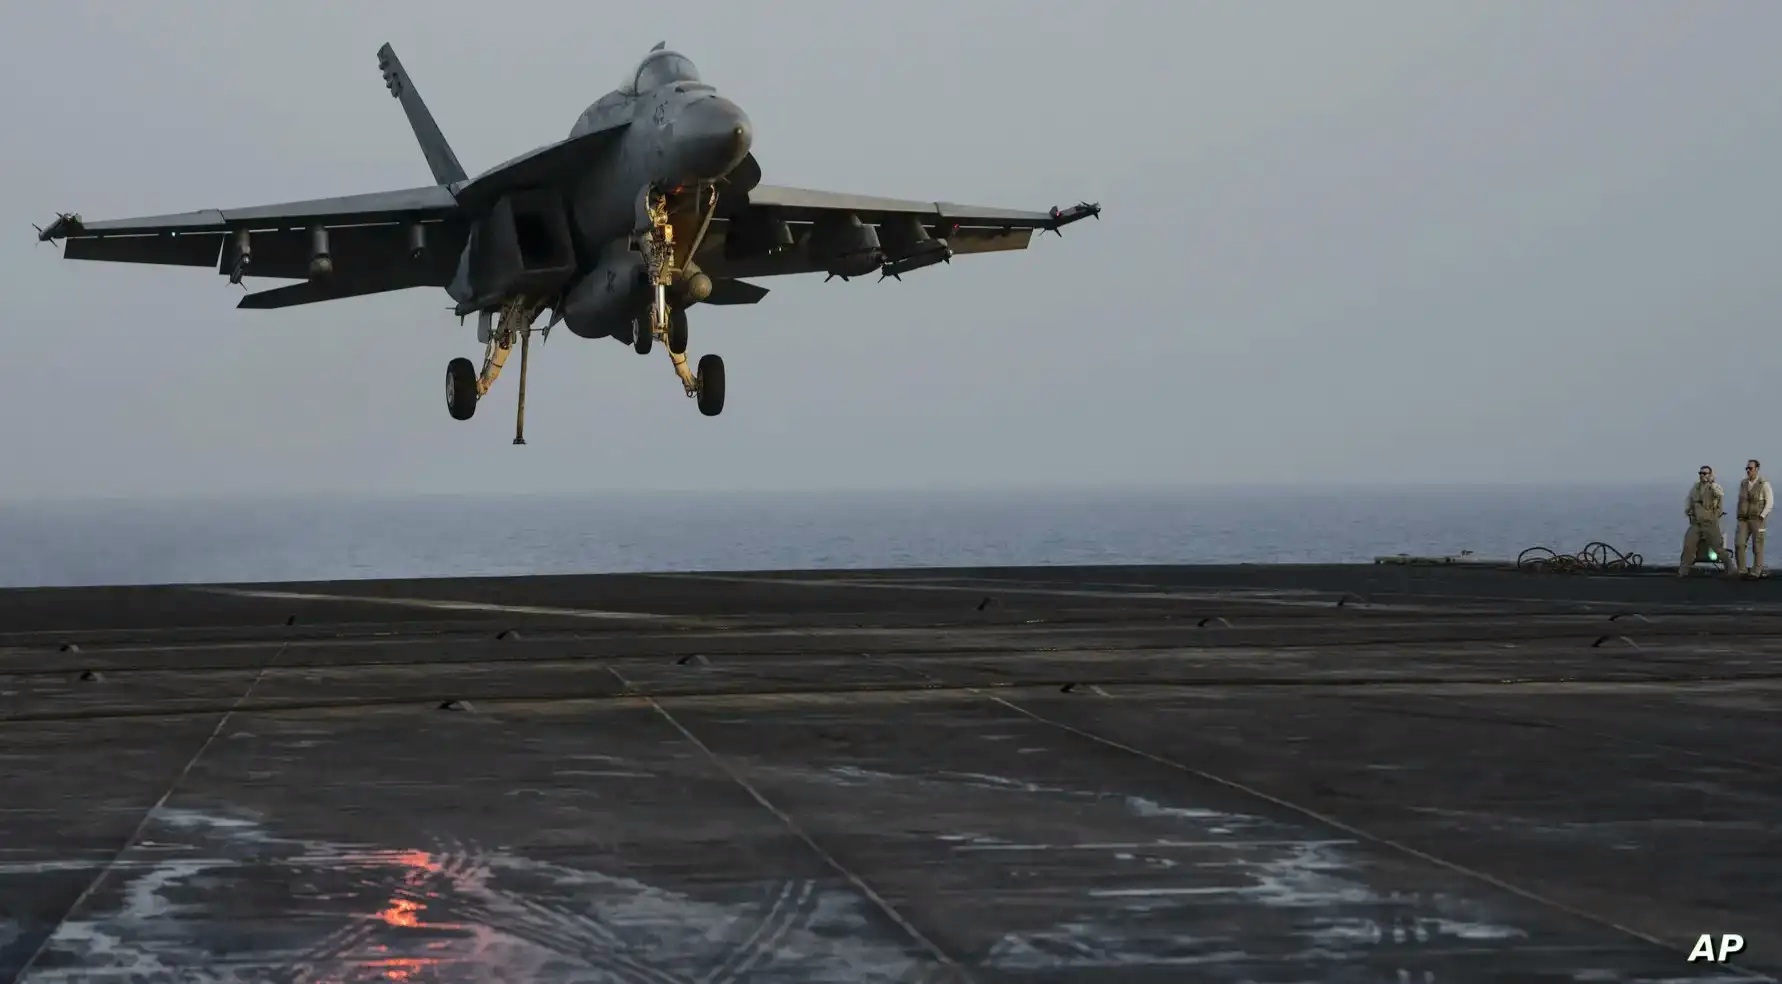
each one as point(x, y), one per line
point(1040, 776)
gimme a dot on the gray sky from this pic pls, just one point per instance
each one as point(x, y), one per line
point(1349, 242)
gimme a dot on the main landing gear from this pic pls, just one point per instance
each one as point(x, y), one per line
point(706, 386)
point(465, 386)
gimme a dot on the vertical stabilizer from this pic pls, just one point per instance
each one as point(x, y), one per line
point(444, 163)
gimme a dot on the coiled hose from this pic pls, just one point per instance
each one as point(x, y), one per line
point(1596, 557)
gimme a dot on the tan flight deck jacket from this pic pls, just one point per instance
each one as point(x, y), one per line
point(1755, 499)
point(1706, 503)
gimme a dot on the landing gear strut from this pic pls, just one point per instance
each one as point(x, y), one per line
point(465, 387)
point(665, 262)
point(644, 336)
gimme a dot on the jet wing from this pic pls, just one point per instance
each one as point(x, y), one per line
point(367, 234)
point(807, 205)
point(967, 228)
point(796, 260)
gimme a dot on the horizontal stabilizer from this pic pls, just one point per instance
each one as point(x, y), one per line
point(316, 291)
point(735, 292)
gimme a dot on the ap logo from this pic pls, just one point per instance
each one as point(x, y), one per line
point(1730, 944)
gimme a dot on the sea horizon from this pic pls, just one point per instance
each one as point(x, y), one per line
point(236, 537)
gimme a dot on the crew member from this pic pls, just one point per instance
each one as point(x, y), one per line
point(1755, 500)
point(1705, 507)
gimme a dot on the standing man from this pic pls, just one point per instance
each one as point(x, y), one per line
point(1705, 507)
point(1755, 500)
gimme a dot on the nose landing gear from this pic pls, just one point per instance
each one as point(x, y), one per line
point(644, 336)
point(707, 387)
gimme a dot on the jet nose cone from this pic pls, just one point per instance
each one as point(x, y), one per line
point(719, 136)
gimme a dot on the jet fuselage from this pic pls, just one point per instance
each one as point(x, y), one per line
point(681, 134)
point(678, 133)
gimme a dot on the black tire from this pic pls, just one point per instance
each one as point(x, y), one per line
point(677, 332)
point(711, 385)
point(461, 388)
point(642, 337)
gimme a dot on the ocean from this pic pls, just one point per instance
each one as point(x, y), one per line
point(88, 542)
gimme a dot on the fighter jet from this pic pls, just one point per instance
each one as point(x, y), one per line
point(652, 204)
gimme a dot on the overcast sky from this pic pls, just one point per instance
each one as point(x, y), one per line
point(1344, 242)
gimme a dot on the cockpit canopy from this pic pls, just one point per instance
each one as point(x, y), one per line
point(659, 68)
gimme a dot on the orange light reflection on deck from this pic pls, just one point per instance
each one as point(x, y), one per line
point(400, 968)
point(419, 860)
point(402, 913)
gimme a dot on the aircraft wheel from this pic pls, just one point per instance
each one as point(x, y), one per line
point(642, 337)
point(711, 385)
point(461, 388)
point(677, 332)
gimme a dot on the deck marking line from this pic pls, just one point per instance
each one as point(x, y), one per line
point(1329, 821)
point(141, 825)
point(448, 605)
point(792, 825)
point(1358, 832)
point(1317, 601)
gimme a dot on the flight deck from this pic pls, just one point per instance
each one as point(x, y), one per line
point(1415, 775)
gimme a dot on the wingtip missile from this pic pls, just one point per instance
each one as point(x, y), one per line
point(1062, 217)
point(66, 224)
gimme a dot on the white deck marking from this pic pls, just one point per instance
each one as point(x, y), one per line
point(453, 605)
point(1156, 845)
point(1310, 599)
